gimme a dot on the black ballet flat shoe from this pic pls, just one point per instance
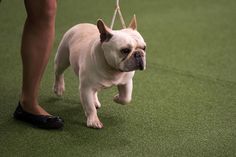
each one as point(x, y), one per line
point(40, 121)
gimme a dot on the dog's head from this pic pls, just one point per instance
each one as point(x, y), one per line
point(124, 49)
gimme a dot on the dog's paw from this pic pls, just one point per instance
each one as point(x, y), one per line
point(94, 122)
point(122, 101)
point(59, 88)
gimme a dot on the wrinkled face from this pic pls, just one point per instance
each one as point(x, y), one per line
point(125, 50)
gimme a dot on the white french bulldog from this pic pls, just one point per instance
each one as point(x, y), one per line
point(100, 57)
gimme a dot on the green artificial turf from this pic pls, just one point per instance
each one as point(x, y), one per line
point(184, 104)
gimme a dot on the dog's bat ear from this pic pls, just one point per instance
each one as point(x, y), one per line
point(105, 32)
point(133, 23)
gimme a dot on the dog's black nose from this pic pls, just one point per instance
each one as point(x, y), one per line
point(139, 60)
point(137, 55)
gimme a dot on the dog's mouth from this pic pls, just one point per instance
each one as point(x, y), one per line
point(136, 62)
point(133, 68)
point(140, 64)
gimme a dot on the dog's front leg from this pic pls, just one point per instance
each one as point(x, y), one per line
point(125, 93)
point(88, 103)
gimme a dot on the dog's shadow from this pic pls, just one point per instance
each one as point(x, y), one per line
point(72, 112)
point(75, 122)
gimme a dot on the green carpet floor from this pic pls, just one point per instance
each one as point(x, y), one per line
point(184, 104)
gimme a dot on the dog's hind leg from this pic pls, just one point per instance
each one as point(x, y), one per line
point(61, 63)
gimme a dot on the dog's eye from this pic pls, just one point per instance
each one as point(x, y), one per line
point(125, 51)
point(144, 48)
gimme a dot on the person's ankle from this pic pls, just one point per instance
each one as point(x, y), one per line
point(33, 107)
point(28, 104)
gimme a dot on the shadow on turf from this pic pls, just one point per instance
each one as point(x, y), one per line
point(73, 114)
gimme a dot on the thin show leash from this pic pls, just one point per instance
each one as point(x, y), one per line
point(117, 9)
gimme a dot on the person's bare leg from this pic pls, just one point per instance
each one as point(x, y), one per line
point(37, 41)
